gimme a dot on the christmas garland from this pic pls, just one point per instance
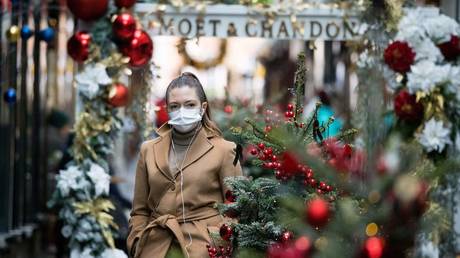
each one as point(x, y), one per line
point(82, 188)
point(422, 68)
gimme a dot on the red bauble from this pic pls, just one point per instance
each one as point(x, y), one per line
point(407, 108)
point(317, 212)
point(88, 10)
point(254, 151)
point(161, 113)
point(228, 109)
point(373, 248)
point(451, 48)
point(118, 95)
point(139, 49)
point(399, 56)
point(261, 146)
point(290, 107)
point(226, 232)
point(78, 46)
point(229, 196)
point(124, 27)
point(124, 3)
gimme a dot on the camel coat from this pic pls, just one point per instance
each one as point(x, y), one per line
point(156, 217)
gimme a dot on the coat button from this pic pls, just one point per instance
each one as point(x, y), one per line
point(173, 187)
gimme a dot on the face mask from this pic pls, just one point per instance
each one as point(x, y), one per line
point(185, 119)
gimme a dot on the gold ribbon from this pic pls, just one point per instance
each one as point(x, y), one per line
point(99, 209)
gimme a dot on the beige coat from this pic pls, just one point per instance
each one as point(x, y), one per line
point(156, 217)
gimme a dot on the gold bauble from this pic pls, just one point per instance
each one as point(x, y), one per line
point(13, 33)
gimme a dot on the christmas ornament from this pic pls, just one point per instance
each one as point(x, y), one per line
point(254, 151)
point(12, 34)
point(78, 46)
point(88, 10)
point(399, 56)
point(139, 49)
point(124, 3)
point(451, 48)
point(124, 26)
point(161, 113)
point(317, 211)
point(118, 95)
point(407, 108)
point(226, 232)
point(228, 109)
point(290, 107)
point(10, 96)
point(46, 35)
point(229, 196)
point(26, 32)
point(373, 247)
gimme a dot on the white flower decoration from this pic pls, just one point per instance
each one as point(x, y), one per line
point(435, 136)
point(100, 179)
point(440, 28)
point(113, 253)
point(426, 49)
point(425, 75)
point(91, 78)
point(68, 180)
point(75, 253)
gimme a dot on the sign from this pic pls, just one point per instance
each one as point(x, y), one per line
point(240, 21)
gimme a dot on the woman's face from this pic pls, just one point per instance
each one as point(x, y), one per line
point(186, 97)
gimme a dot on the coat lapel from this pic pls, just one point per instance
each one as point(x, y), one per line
point(161, 151)
point(200, 146)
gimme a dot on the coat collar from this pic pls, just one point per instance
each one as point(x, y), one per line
point(200, 146)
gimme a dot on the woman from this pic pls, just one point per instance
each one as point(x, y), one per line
point(179, 178)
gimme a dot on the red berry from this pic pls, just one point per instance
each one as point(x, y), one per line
point(286, 237)
point(228, 109)
point(322, 185)
point(268, 128)
point(309, 173)
point(274, 157)
point(328, 188)
point(302, 125)
point(278, 174)
point(319, 191)
point(312, 182)
point(261, 146)
point(229, 196)
point(290, 107)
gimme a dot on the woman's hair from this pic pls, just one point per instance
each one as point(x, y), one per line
point(188, 79)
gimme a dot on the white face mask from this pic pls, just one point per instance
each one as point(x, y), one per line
point(185, 119)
